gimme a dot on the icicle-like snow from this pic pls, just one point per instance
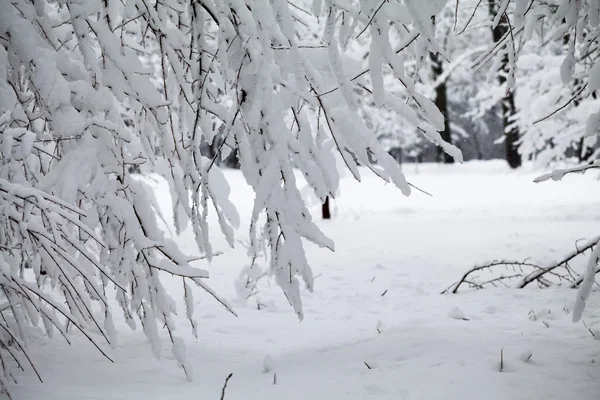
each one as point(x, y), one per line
point(585, 288)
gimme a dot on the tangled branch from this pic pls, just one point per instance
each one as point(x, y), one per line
point(524, 272)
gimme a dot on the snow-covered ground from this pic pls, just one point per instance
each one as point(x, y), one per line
point(376, 325)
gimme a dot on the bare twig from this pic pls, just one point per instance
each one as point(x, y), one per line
point(586, 327)
point(573, 98)
point(471, 17)
point(225, 385)
point(21, 347)
point(464, 279)
point(371, 19)
point(407, 42)
point(456, 14)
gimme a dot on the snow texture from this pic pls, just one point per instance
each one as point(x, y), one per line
point(385, 241)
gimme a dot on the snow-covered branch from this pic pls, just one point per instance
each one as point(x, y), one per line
point(558, 174)
point(90, 90)
point(93, 89)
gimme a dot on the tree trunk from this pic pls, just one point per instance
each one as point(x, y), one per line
point(441, 101)
point(477, 145)
point(510, 129)
point(584, 153)
point(325, 211)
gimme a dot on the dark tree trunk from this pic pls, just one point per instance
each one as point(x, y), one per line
point(325, 211)
point(511, 130)
point(396, 152)
point(441, 101)
point(584, 153)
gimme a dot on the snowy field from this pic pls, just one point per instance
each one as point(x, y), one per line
point(376, 326)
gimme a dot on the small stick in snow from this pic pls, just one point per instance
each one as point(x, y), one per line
point(586, 327)
point(225, 386)
point(368, 366)
point(525, 356)
point(501, 359)
point(275, 378)
point(379, 326)
point(384, 292)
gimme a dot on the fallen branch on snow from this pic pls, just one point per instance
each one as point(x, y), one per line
point(527, 272)
point(564, 262)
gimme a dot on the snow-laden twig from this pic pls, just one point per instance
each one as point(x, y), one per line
point(535, 275)
point(558, 174)
point(586, 285)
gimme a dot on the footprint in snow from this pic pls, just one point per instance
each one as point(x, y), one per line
point(491, 310)
point(456, 313)
point(376, 389)
point(268, 364)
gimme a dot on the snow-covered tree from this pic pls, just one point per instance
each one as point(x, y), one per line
point(575, 24)
point(552, 111)
point(505, 65)
point(90, 90)
point(450, 81)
